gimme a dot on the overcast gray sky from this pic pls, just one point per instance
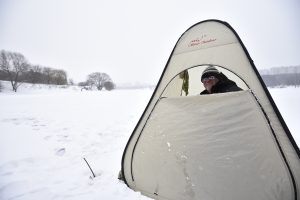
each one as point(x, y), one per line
point(131, 40)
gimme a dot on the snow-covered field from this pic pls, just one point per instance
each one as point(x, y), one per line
point(46, 132)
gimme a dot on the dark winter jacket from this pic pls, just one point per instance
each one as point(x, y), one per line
point(223, 85)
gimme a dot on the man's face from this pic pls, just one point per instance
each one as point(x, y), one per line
point(209, 82)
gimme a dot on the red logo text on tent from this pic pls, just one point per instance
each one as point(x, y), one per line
point(201, 40)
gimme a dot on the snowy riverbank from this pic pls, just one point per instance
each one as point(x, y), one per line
point(46, 133)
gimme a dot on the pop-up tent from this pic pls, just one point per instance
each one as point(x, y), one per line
point(228, 146)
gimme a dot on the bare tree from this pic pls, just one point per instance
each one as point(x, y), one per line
point(98, 79)
point(59, 77)
point(109, 85)
point(35, 74)
point(71, 81)
point(13, 64)
point(47, 74)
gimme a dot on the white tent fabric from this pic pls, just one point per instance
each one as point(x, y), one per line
point(209, 156)
point(262, 137)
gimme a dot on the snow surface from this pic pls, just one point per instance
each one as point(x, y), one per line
point(46, 131)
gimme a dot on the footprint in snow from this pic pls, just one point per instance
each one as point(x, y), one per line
point(60, 152)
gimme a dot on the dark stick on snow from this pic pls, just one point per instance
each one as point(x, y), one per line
point(89, 167)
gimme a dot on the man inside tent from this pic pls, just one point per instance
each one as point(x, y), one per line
point(215, 81)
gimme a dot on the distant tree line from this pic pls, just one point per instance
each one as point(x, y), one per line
point(15, 68)
point(281, 76)
point(288, 79)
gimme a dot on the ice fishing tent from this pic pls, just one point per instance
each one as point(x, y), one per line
point(228, 146)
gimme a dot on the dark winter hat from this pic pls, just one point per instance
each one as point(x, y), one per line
point(210, 71)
